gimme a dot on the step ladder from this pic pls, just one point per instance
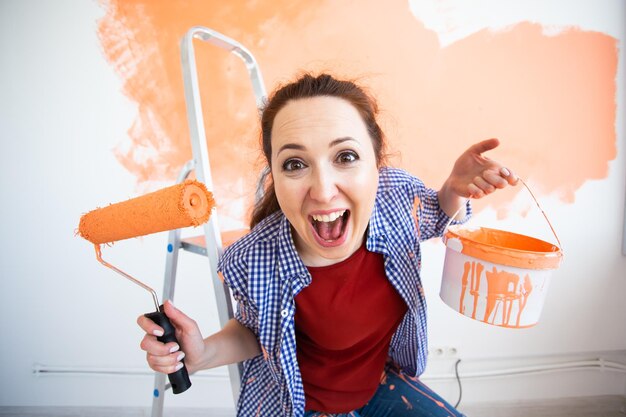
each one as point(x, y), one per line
point(210, 243)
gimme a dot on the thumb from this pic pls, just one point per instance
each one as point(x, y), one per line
point(179, 319)
point(484, 146)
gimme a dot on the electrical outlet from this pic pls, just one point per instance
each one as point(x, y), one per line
point(443, 352)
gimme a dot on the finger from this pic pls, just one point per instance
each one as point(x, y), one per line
point(484, 146)
point(166, 364)
point(149, 326)
point(151, 345)
point(509, 175)
point(495, 179)
point(170, 360)
point(474, 191)
point(179, 319)
point(483, 185)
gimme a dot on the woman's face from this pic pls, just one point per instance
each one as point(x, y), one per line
point(325, 175)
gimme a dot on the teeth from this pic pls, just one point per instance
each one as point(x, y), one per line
point(328, 217)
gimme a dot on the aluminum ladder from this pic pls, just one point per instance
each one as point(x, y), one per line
point(210, 243)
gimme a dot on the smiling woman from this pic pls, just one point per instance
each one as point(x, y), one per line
point(328, 280)
point(317, 87)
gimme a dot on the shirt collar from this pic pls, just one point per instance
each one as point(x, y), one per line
point(289, 262)
point(377, 225)
point(377, 228)
point(377, 231)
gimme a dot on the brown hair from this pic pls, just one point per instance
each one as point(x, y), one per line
point(308, 86)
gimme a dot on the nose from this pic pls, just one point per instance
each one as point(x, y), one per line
point(323, 186)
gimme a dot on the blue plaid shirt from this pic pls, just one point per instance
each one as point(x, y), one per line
point(264, 273)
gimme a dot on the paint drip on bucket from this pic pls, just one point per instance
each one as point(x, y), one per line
point(498, 277)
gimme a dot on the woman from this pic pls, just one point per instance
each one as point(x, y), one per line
point(331, 316)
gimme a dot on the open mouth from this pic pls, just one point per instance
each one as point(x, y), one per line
point(330, 227)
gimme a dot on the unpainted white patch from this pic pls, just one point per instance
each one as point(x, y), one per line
point(454, 20)
point(455, 244)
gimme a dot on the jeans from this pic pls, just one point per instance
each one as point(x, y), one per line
point(402, 396)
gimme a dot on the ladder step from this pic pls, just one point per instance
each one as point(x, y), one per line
point(197, 244)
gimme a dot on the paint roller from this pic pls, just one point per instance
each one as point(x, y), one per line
point(182, 205)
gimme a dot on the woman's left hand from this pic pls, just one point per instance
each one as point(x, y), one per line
point(475, 176)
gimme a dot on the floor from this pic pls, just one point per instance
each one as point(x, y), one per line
point(608, 406)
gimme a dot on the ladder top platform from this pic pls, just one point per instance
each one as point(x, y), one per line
point(197, 244)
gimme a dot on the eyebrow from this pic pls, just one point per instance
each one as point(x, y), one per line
point(298, 147)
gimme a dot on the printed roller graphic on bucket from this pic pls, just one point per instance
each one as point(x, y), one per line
point(498, 277)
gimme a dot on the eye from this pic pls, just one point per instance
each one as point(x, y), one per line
point(347, 157)
point(293, 165)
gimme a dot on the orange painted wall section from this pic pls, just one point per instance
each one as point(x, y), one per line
point(549, 98)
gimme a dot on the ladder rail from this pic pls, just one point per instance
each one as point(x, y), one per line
point(201, 156)
point(222, 41)
point(201, 165)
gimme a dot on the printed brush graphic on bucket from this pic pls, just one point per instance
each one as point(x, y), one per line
point(498, 277)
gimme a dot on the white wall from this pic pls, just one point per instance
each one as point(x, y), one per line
point(61, 114)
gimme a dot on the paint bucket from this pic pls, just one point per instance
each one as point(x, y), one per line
point(498, 277)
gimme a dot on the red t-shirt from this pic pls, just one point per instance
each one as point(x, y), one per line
point(344, 323)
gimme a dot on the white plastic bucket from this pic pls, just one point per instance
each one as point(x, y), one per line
point(497, 277)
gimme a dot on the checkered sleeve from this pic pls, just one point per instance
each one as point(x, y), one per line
point(432, 219)
point(234, 272)
point(245, 313)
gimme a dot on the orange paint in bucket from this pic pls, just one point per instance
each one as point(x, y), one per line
point(497, 277)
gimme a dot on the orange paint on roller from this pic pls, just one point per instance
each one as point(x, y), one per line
point(182, 205)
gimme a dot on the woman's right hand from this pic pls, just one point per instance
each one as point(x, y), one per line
point(166, 357)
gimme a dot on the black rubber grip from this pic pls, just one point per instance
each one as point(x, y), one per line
point(180, 379)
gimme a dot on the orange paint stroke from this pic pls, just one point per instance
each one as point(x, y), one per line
point(265, 354)
point(383, 378)
point(410, 382)
point(268, 388)
point(466, 268)
point(549, 98)
point(477, 270)
point(409, 406)
point(527, 288)
point(417, 210)
point(503, 289)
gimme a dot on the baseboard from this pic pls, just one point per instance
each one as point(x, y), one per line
point(483, 380)
point(492, 380)
point(602, 406)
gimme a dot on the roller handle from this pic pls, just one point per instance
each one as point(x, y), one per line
point(180, 379)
